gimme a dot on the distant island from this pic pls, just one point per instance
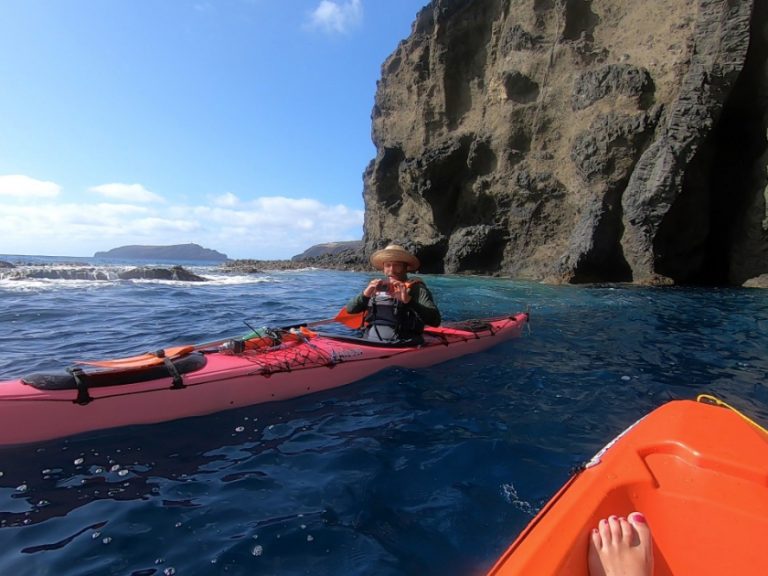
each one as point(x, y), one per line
point(175, 252)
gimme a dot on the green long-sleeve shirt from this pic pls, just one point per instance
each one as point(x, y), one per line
point(421, 302)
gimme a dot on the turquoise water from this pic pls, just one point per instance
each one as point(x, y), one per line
point(430, 471)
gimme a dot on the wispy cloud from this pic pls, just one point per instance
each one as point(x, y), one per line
point(22, 186)
point(337, 17)
point(126, 192)
point(258, 227)
point(278, 225)
point(227, 200)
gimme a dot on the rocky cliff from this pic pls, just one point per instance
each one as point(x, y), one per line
point(576, 140)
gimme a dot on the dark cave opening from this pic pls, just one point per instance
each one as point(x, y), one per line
point(605, 262)
point(740, 138)
point(700, 231)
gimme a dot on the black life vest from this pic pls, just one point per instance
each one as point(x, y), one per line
point(384, 310)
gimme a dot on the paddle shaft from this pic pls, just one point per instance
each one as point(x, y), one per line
point(343, 316)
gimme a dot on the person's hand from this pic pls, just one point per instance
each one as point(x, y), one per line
point(372, 287)
point(399, 291)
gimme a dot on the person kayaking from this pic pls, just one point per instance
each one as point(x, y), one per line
point(621, 547)
point(397, 309)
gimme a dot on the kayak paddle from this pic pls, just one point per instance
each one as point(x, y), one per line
point(153, 358)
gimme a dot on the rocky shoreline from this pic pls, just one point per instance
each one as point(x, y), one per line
point(347, 260)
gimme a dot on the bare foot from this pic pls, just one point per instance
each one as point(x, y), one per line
point(621, 547)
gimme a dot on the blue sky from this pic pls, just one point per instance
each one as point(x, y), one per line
point(240, 125)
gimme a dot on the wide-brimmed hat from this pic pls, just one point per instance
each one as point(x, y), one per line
point(394, 253)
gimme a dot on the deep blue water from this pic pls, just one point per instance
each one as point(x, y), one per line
point(430, 471)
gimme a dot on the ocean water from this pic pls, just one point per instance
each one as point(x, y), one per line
point(430, 471)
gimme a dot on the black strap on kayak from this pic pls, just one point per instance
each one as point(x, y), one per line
point(178, 381)
point(83, 397)
point(443, 338)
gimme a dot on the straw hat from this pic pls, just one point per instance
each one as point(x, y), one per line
point(394, 253)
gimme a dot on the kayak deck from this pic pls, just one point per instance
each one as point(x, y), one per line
point(699, 474)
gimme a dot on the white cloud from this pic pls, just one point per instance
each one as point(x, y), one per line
point(336, 17)
point(126, 192)
point(22, 186)
point(227, 200)
point(276, 226)
point(154, 225)
point(265, 227)
point(282, 217)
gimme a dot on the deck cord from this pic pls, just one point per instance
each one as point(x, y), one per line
point(714, 400)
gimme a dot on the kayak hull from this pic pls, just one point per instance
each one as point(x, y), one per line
point(227, 381)
point(698, 473)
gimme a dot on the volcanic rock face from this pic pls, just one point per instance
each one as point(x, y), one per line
point(576, 140)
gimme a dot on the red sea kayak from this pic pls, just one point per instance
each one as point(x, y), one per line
point(190, 381)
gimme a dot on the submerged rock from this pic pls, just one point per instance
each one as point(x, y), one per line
point(61, 273)
point(175, 273)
